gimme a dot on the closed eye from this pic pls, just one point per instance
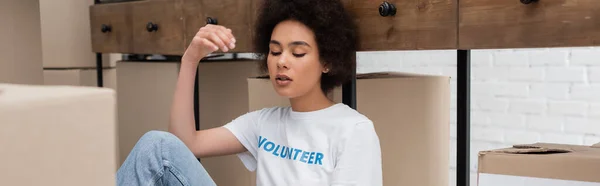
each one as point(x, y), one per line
point(299, 55)
point(275, 53)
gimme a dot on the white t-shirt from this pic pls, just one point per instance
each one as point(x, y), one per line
point(332, 146)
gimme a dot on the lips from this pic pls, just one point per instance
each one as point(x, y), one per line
point(283, 80)
point(282, 77)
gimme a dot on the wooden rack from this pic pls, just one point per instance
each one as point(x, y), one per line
point(138, 28)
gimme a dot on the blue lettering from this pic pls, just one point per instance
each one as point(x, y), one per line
point(275, 151)
point(283, 152)
point(319, 158)
point(266, 147)
point(304, 156)
point(289, 153)
point(311, 157)
point(261, 141)
point(296, 151)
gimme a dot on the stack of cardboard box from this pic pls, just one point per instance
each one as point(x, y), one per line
point(62, 135)
point(144, 96)
point(145, 93)
point(20, 42)
point(66, 46)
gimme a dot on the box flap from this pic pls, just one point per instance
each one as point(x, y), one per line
point(543, 160)
point(264, 76)
point(374, 75)
point(534, 149)
point(22, 94)
point(391, 74)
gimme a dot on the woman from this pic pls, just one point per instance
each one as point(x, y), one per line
point(308, 48)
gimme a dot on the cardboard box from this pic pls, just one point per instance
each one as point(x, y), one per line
point(57, 135)
point(20, 42)
point(144, 96)
point(145, 92)
point(411, 114)
point(80, 77)
point(540, 164)
point(66, 35)
point(223, 96)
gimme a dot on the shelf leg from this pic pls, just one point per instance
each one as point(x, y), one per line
point(100, 79)
point(349, 92)
point(463, 117)
point(196, 102)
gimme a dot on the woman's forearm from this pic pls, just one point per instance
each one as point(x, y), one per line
point(182, 110)
point(208, 39)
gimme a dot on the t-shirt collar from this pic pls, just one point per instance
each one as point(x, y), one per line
point(326, 112)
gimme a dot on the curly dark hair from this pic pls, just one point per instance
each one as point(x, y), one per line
point(333, 27)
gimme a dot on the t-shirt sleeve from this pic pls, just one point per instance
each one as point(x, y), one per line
point(359, 159)
point(245, 129)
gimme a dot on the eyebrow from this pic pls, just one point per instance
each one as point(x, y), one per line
point(292, 43)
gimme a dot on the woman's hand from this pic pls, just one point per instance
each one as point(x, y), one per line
point(208, 39)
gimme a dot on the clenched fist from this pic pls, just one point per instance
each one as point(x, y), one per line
point(208, 39)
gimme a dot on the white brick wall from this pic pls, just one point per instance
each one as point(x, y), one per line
point(527, 106)
point(517, 96)
point(549, 91)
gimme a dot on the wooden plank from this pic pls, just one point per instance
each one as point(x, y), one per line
point(193, 19)
point(417, 25)
point(511, 24)
point(118, 17)
point(168, 16)
point(233, 14)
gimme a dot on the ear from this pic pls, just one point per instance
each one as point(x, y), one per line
point(326, 67)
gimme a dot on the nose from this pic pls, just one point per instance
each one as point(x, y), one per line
point(282, 62)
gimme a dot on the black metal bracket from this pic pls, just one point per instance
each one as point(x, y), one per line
point(463, 102)
point(100, 79)
point(349, 90)
point(196, 102)
point(349, 93)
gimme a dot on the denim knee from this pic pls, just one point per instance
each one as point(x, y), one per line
point(155, 136)
point(152, 143)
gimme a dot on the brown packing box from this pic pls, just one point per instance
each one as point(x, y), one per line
point(20, 42)
point(144, 96)
point(223, 96)
point(542, 160)
point(145, 92)
point(80, 77)
point(411, 116)
point(57, 135)
point(66, 36)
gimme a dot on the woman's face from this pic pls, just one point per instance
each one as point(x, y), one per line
point(293, 60)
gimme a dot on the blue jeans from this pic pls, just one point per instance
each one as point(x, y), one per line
point(160, 158)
